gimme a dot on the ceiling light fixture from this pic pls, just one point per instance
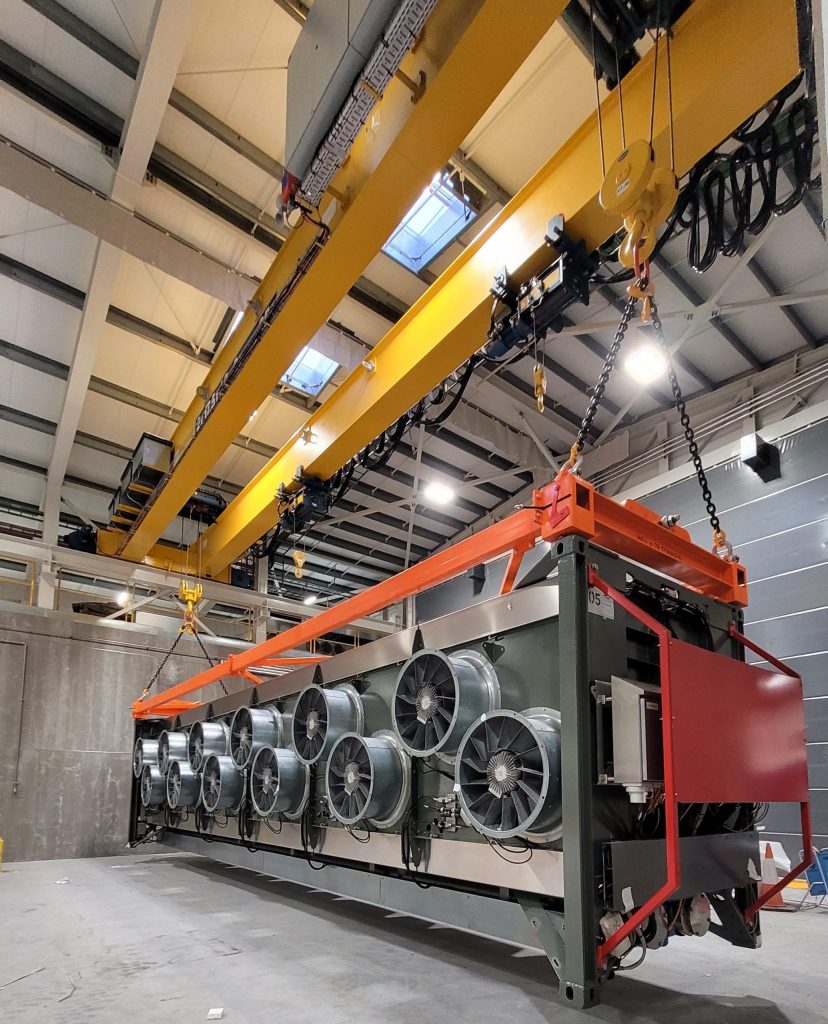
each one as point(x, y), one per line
point(122, 598)
point(310, 599)
point(646, 363)
point(438, 493)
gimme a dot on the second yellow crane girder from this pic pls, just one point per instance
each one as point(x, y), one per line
point(728, 60)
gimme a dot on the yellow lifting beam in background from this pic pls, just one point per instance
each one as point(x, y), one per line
point(468, 53)
point(728, 60)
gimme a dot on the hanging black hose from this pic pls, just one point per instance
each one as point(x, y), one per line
point(730, 195)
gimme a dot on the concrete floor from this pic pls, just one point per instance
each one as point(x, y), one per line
point(166, 938)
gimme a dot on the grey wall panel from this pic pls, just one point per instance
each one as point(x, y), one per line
point(802, 459)
point(794, 547)
point(818, 764)
point(804, 633)
point(813, 668)
point(75, 766)
point(780, 531)
point(797, 591)
point(785, 817)
point(816, 720)
point(792, 843)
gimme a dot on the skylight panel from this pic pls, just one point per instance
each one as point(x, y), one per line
point(309, 372)
point(433, 222)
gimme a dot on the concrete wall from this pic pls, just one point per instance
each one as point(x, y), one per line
point(76, 678)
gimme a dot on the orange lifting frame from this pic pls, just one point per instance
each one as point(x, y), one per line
point(568, 505)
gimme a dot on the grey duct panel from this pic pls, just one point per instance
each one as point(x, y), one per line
point(779, 528)
point(333, 47)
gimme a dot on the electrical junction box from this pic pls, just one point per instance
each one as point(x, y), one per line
point(636, 737)
point(331, 51)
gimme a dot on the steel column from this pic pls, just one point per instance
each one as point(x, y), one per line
point(579, 986)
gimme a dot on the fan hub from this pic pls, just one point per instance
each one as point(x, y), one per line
point(351, 777)
point(268, 782)
point(428, 702)
point(502, 773)
point(312, 723)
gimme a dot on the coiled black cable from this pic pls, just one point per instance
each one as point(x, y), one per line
point(730, 195)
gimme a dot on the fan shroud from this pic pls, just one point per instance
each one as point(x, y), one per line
point(183, 786)
point(368, 778)
point(144, 752)
point(321, 716)
point(438, 696)
point(508, 774)
point(279, 783)
point(252, 729)
point(153, 788)
point(222, 784)
point(172, 746)
point(206, 738)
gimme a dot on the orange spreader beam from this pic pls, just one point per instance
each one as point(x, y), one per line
point(565, 507)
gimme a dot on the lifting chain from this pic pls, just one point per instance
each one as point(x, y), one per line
point(189, 595)
point(601, 386)
point(719, 536)
point(642, 288)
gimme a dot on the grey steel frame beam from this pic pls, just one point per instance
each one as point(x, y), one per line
point(579, 984)
point(790, 314)
point(725, 330)
point(295, 8)
point(126, 63)
point(687, 365)
point(49, 91)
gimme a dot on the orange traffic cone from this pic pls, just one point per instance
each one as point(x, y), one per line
point(769, 880)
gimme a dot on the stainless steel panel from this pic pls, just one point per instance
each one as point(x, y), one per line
point(480, 915)
point(472, 862)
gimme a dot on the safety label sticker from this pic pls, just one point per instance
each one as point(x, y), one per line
point(600, 604)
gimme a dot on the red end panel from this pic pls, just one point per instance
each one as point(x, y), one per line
point(738, 730)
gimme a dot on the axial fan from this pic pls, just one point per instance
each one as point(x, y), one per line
point(438, 696)
point(222, 784)
point(144, 752)
point(278, 783)
point(172, 746)
point(152, 787)
point(321, 717)
point(183, 786)
point(509, 774)
point(252, 729)
point(206, 738)
point(368, 778)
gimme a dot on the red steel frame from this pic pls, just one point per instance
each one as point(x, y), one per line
point(568, 505)
point(671, 801)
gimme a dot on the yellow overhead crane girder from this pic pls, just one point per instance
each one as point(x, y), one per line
point(468, 52)
point(728, 60)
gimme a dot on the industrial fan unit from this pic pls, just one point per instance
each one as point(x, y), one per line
point(321, 716)
point(252, 729)
point(206, 738)
point(368, 779)
point(279, 783)
point(222, 784)
point(153, 789)
point(508, 774)
point(172, 746)
point(144, 752)
point(183, 786)
point(438, 696)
